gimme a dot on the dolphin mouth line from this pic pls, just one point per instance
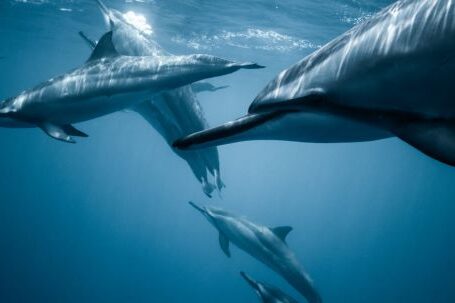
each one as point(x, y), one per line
point(248, 279)
point(197, 207)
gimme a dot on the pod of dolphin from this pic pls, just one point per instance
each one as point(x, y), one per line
point(387, 77)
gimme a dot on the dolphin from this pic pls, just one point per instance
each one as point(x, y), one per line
point(199, 87)
point(390, 76)
point(268, 293)
point(174, 113)
point(106, 83)
point(268, 245)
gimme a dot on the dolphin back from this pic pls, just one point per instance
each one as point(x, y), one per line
point(403, 30)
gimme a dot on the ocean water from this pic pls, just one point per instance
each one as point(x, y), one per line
point(107, 219)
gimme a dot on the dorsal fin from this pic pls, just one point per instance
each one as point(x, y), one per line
point(281, 232)
point(105, 48)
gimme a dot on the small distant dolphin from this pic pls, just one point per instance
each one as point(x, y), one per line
point(268, 293)
point(107, 83)
point(199, 87)
point(267, 245)
point(173, 113)
point(390, 76)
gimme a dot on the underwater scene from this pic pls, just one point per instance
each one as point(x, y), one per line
point(227, 151)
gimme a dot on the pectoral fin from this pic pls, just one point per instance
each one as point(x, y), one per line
point(72, 131)
point(435, 138)
point(224, 244)
point(56, 132)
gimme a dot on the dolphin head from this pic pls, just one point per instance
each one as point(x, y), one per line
point(204, 211)
point(7, 114)
point(214, 66)
point(214, 216)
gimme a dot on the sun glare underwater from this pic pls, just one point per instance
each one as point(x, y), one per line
point(227, 151)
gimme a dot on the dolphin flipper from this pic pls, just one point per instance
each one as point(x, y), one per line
point(224, 244)
point(72, 131)
point(435, 138)
point(57, 132)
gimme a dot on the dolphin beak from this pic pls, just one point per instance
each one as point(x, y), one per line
point(202, 210)
point(249, 280)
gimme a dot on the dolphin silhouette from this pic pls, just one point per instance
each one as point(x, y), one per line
point(390, 76)
point(268, 293)
point(267, 245)
point(174, 113)
point(106, 83)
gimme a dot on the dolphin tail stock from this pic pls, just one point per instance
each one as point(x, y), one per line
point(304, 285)
point(244, 128)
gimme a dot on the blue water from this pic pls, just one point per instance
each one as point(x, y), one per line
point(106, 220)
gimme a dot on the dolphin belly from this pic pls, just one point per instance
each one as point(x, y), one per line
point(63, 111)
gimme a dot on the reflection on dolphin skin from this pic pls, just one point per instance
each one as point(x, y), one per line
point(268, 293)
point(106, 83)
point(267, 245)
point(174, 113)
point(390, 76)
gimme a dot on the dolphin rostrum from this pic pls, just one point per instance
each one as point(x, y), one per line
point(267, 245)
point(173, 113)
point(390, 76)
point(106, 83)
point(268, 293)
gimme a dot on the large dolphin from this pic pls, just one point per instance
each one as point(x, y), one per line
point(390, 76)
point(268, 293)
point(106, 83)
point(267, 245)
point(174, 113)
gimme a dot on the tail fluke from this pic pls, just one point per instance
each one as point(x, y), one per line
point(208, 188)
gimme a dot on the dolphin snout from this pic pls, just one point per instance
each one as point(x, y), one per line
point(249, 280)
point(199, 208)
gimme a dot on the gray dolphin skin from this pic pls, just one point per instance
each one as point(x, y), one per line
point(268, 293)
point(174, 113)
point(106, 83)
point(268, 245)
point(390, 76)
